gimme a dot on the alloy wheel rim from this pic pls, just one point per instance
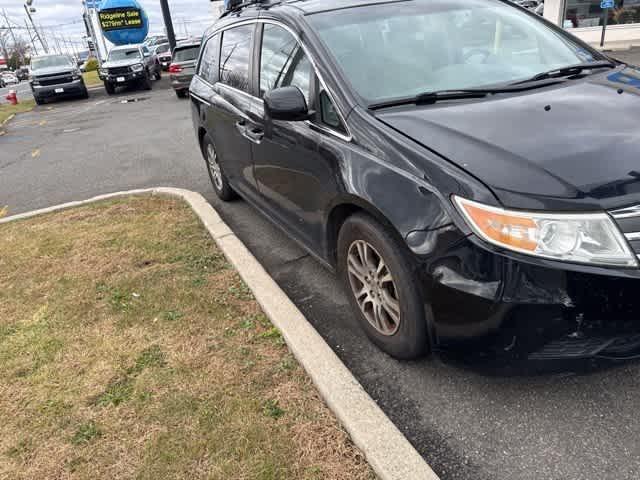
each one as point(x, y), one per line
point(373, 287)
point(214, 166)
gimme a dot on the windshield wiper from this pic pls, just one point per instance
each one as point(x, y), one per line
point(432, 97)
point(568, 71)
point(429, 98)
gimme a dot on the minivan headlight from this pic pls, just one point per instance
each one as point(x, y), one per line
point(591, 238)
point(137, 67)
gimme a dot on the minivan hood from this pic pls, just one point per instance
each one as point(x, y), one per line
point(573, 146)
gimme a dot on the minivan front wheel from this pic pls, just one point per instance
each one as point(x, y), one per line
point(216, 174)
point(384, 294)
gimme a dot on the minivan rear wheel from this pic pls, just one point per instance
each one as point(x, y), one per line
point(384, 294)
point(216, 174)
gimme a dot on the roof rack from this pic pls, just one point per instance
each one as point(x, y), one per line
point(231, 6)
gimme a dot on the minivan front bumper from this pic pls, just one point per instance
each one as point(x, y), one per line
point(525, 304)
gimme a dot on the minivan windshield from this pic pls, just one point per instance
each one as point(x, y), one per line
point(123, 54)
point(402, 49)
point(50, 61)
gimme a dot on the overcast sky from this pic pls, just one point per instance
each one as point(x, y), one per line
point(66, 16)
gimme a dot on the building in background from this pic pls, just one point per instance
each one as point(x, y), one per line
point(583, 18)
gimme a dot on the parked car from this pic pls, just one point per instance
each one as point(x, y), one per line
point(183, 67)
point(155, 40)
point(128, 65)
point(393, 141)
point(7, 79)
point(56, 76)
point(22, 73)
point(163, 52)
point(82, 57)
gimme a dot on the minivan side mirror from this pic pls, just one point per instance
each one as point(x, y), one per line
point(286, 103)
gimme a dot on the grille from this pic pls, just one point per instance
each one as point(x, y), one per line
point(56, 80)
point(628, 220)
point(119, 70)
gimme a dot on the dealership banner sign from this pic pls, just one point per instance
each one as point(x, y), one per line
point(120, 18)
point(123, 21)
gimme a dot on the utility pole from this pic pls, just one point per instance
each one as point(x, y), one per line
point(13, 35)
point(44, 38)
point(27, 8)
point(33, 43)
point(168, 23)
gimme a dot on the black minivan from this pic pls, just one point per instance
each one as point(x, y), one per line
point(469, 170)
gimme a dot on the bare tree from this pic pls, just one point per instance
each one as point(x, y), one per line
point(4, 35)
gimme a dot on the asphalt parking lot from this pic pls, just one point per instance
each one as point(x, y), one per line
point(469, 420)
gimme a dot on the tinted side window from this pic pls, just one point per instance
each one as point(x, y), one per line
point(234, 56)
point(283, 62)
point(210, 60)
point(328, 113)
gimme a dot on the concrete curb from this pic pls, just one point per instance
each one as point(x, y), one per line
point(388, 452)
point(2, 124)
point(7, 120)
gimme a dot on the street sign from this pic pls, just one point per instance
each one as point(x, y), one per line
point(605, 5)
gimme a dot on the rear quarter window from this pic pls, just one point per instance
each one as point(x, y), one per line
point(235, 53)
point(210, 61)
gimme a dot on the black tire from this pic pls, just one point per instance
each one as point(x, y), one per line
point(85, 94)
point(109, 87)
point(181, 93)
point(38, 100)
point(146, 82)
point(410, 339)
point(159, 74)
point(221, 184)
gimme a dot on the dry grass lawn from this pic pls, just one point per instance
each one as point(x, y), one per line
point(91, 78)
point(129, 348)
point(6, 110)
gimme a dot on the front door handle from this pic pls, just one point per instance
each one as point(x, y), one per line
point(254, 134)
point(241, 127)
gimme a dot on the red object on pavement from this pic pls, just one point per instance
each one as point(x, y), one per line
point(12, 97)
point(173, 68)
